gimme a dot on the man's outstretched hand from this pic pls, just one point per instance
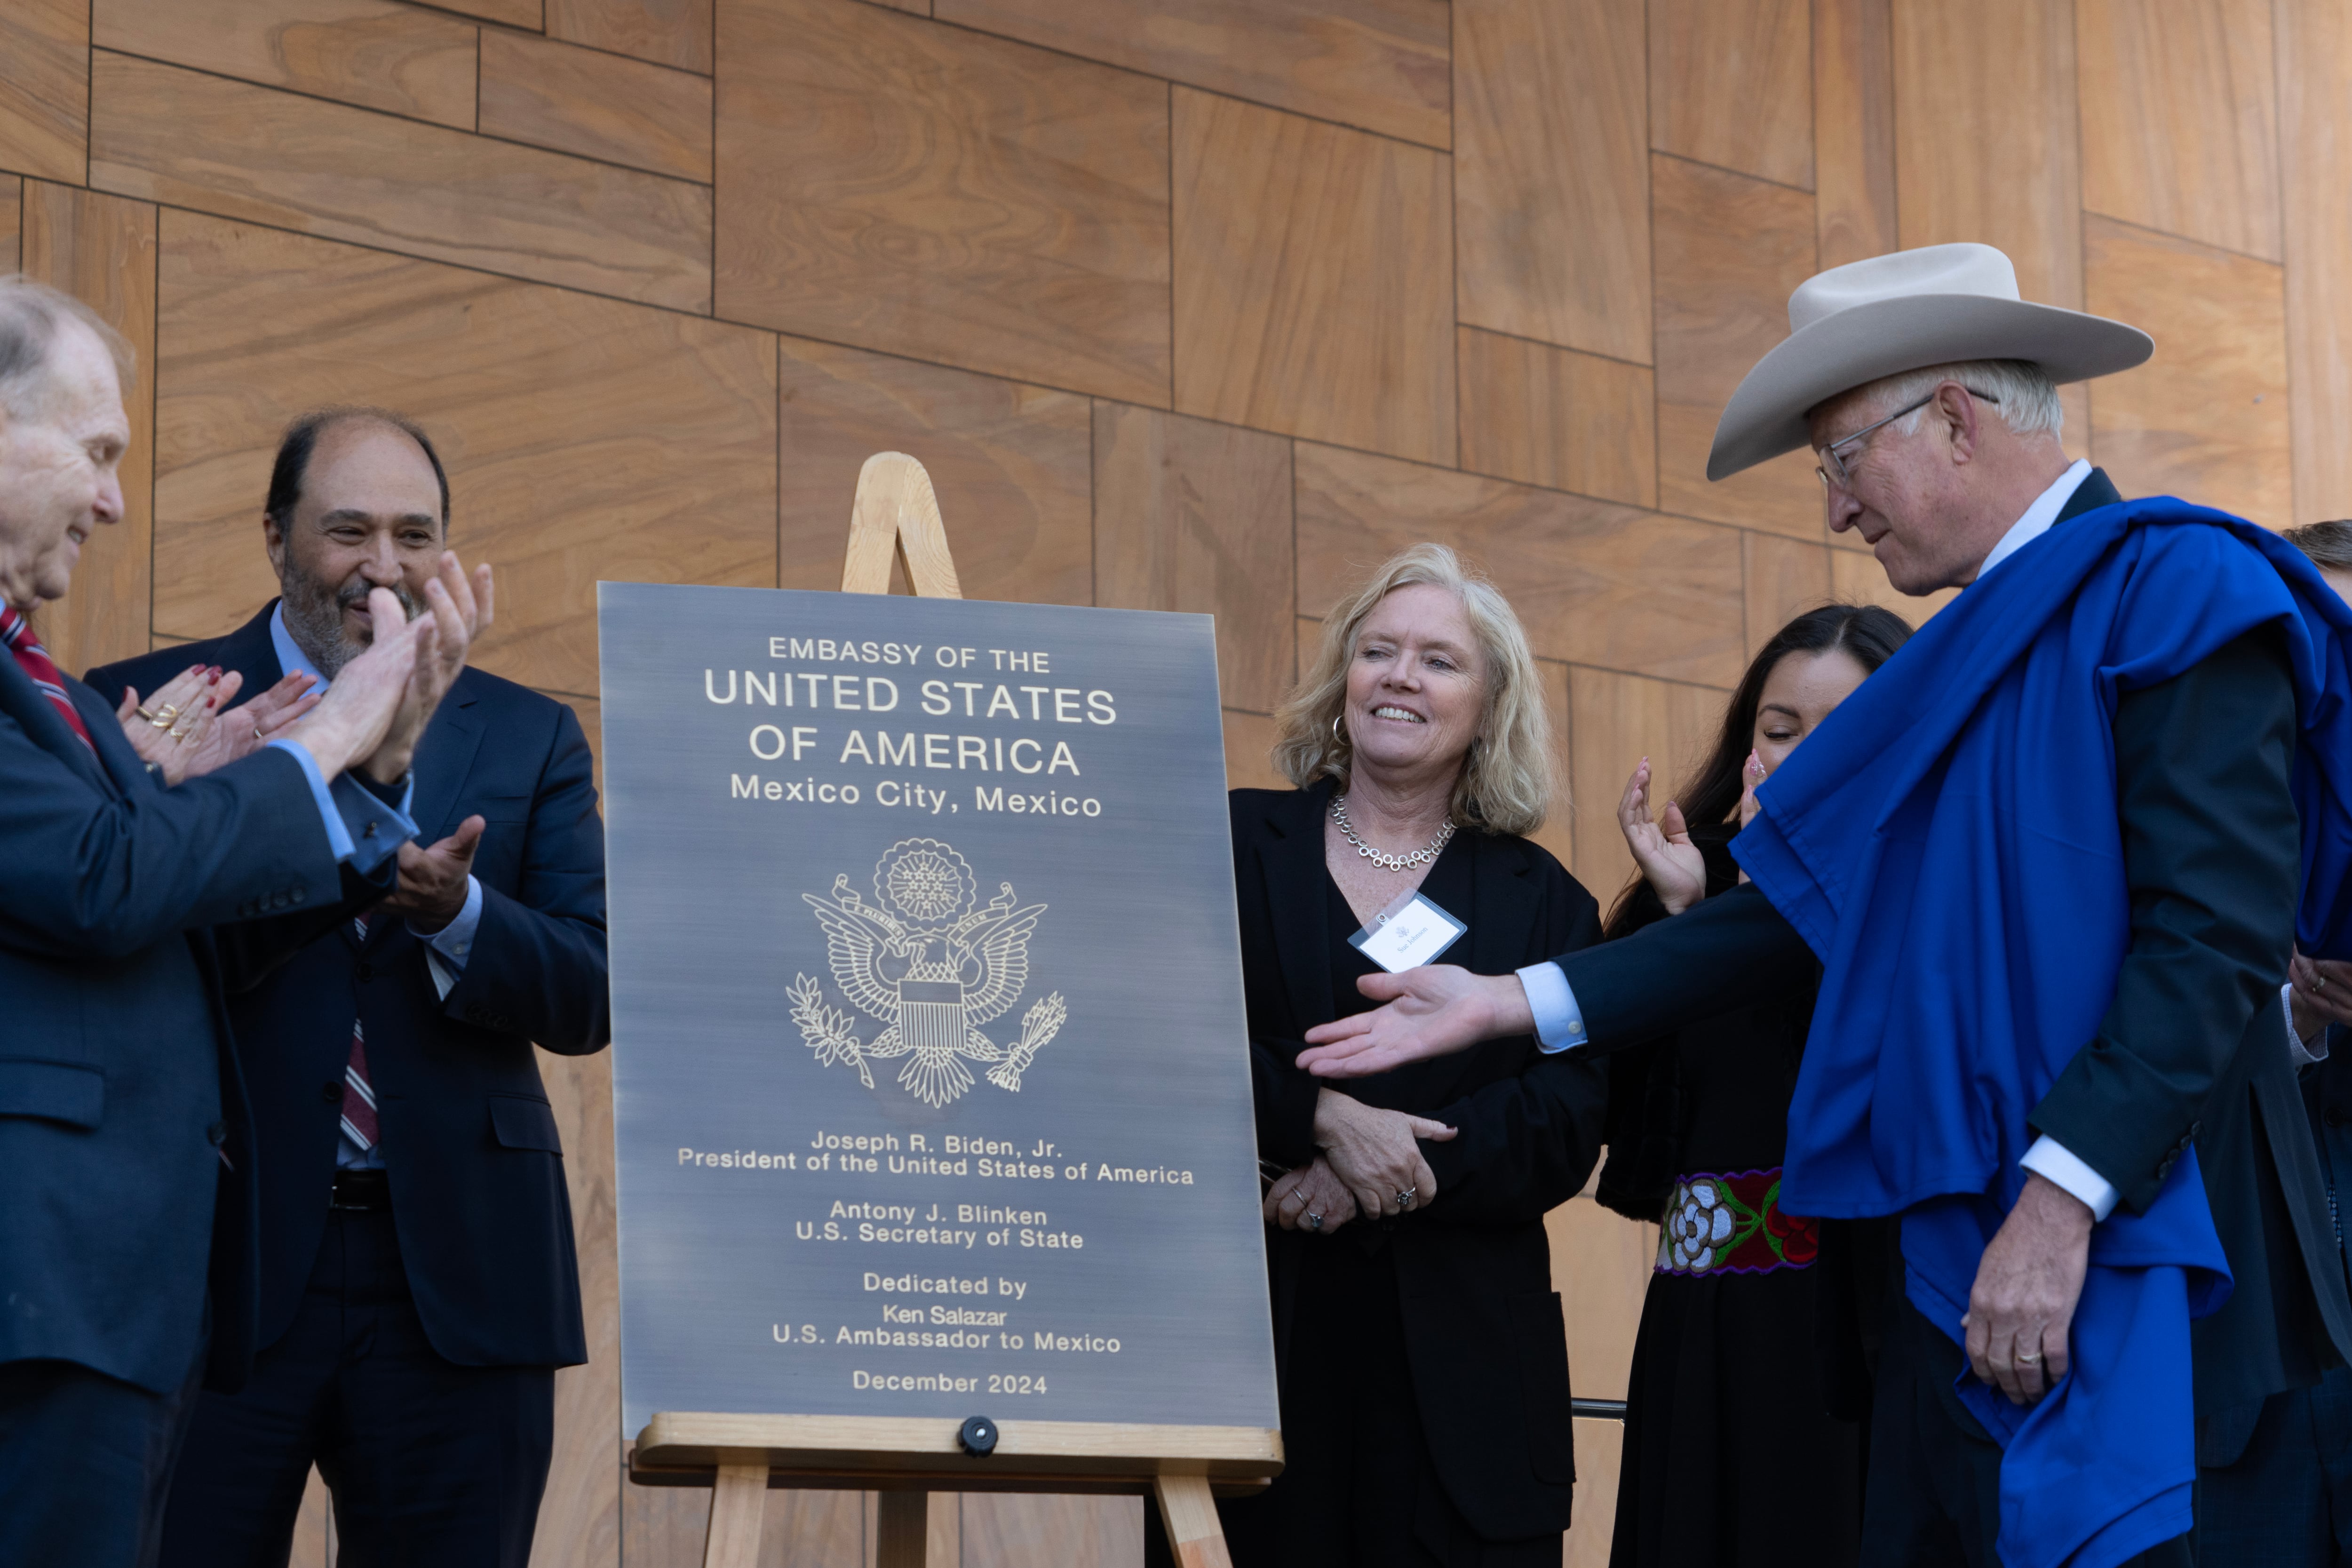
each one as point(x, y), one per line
point(1431, 1011)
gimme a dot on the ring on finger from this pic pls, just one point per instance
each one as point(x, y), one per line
point(1405, 1197)
point(1314, 1220)
point(176, 734)
point(163, 717)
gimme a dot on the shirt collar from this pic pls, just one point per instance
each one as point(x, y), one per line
point(2039, 517)
point(291, 660)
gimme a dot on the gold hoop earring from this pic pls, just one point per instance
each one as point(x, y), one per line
point(1334, 731)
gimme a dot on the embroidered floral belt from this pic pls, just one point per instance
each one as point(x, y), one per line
point(1733, 1224)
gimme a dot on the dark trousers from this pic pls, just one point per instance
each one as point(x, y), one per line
point(85, 1463)
point(1359, 1489)
point(2287, 1500)
point(430, 1463)
point(1933, 1499)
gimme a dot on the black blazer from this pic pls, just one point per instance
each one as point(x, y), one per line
point(469, 1140)
point(2192, 1048)
point(126, 1155)
point(1484, 1333)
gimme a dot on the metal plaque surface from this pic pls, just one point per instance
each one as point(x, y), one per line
point(929, 1066)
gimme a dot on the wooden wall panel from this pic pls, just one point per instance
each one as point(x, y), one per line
point(537, 398)
point(1249, 747)
point(580, 1516)
point(1379, 64)
point(1553, 417)
point(2315, 61)
point(1014, 1530)
point(1853, 129)
point(1599, 1456)
point(1313, 283)
point(1731, 249)
point(102, 250)
point(189, 140)
point(667, 32)
point(665, 1527)
point(513, 13)
point(926, 190)
point(2008, 175)
point(1550, 136)
point(12, 212)
point(596, 104)
point(1190, 515)
point(1595, 583)
point(1784, 578)
point(1010, 463)
point(1617, 720)
point(372, 53)
point(2207, 419)
point(45, 88)
point(2180, 119)
point(314, 1527)
point(1731, 84)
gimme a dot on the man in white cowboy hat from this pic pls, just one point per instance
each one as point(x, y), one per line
point(2050, 858)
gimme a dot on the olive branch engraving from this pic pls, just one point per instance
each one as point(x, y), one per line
point(827, 1031)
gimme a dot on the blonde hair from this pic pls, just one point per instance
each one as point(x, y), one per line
point(1506, 782)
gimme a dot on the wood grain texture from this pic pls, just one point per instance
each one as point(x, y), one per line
point(12, 211)
point(1009, 463)
point(1193, 516)
point(2315, 59)
point(1599, 1457)
point(665, 1527)
point(1784, 578)
point(927, 190)
point(2011, 178)
point(102, 250)
point(1731, 84)
point(2180, 119)
point(249, 153)
point(1550, 142)
point(595, 104)
point(537, 398)
point(580, 1514)
point(1854, 130)
point(45, 88)
point(2207, 419)
point(1617, 719)
point(1020, 1531)
point(1731, 249)
point(1313, 283)
point(1551, 416)
point(1379, 64)
point(1857, 578)
point(1249, 752)
point(667, 31)
point(371, 53)
point(1593, 582)
point(513, 13)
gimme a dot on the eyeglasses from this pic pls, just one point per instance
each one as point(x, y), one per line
point(1831, 469)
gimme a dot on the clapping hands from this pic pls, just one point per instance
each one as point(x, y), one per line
point(1671, 863)
point(187, 731)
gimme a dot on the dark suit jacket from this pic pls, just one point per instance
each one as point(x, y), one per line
point(469, 1140)
point(119, 1092)
point(1483, 1326)
point(2192, 1048)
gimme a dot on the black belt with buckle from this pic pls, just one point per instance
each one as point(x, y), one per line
point(363, 1190)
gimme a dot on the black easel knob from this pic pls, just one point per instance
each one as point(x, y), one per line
point(978, 1436)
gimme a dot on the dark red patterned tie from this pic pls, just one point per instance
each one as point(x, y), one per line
point(16, 634)
point(358, 1095)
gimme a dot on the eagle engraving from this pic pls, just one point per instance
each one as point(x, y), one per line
point(932, 969)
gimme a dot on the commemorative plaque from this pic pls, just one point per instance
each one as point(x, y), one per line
point(930, 1083)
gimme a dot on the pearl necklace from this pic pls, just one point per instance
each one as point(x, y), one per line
point(1387, 862)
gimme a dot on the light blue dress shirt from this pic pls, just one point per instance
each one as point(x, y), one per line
point(366, 832)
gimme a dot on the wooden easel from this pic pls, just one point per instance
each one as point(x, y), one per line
point(903, 1458)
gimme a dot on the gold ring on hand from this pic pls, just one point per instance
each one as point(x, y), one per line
point(163, 717)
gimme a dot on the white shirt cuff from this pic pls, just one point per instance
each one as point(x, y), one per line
point(2055, 1163)
point(1559, 1023)
point(2300, 1053)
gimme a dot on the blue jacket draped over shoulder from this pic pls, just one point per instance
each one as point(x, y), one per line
point(1949, 844)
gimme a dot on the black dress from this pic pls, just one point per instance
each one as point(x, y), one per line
point(1732, 1458)
point(1422, 1361)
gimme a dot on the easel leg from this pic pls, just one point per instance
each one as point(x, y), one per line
point(902, 1535)
point(1195, 1532)
point(737, 1499)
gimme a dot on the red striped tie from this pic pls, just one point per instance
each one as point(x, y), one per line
point(16, 634)
point(358, 1095)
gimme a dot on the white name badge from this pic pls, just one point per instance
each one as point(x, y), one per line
point(1407, 935)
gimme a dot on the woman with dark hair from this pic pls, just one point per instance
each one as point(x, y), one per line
point(1731, 1454)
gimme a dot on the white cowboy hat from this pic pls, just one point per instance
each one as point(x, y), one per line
point(1934, 305)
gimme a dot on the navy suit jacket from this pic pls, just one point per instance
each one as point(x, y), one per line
point(469, 1141)
point(119, 1095)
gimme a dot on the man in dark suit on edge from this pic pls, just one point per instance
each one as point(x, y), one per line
point(128, 911)
point(1947, 472)
point(418, 1282)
